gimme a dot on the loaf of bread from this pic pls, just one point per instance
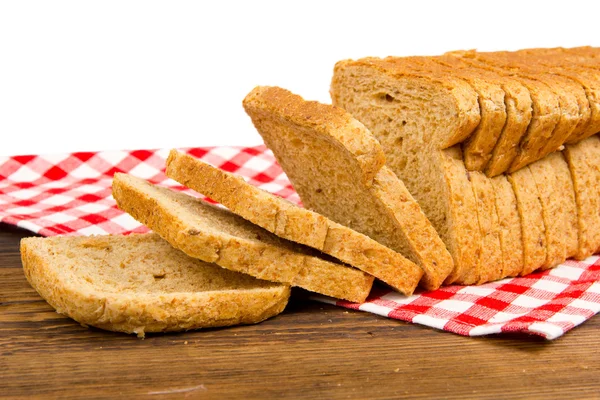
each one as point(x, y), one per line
point(140, 283)
point(511, 186)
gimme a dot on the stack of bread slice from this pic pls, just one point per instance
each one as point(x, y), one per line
point(499, 149)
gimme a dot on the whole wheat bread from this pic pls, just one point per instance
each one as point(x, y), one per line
point(139, 283)
point(287, 220)
point(337, 168)
point(216, 235)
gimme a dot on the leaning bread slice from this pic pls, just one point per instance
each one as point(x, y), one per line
point(216, 235)
point(287, 220)
point(140, 283)
point(337, 168)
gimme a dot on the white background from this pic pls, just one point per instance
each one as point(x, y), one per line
point(78, 75)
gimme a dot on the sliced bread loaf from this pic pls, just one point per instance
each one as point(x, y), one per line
point(337, 168)
point(289, 221)
point(139, 283)
point(216, 235)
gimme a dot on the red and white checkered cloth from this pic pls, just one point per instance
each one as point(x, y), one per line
point(69, 194)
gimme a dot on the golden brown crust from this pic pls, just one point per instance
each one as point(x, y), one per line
point(145, 311)
point(287, 220)
point(466, 105)
point(330, 121)
point(315, 168)
point(215, 235)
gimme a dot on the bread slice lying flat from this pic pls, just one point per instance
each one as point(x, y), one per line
point(216, 235)
point(140, 283)
point(289, 221)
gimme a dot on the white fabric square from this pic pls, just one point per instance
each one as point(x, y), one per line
point(84, 171)
point(454, 305)
point(258, 164)
point(144, 171)
point(549, 330)
point(24, 194)
point(60, 218)
point(564, 271)
point(57, 200)
point(375, 309)
point(560, 317)
point(485, 330)
point(477, 290)
point(126, 221)
point(502, 316)
point(227, 153)
point(23, 210)
point(29, 226)
point(24, 174)
point(528, 301)
point(113, 157)
point(55, 159)
point(400, 298)
point(586, 305)
point(550, 286)
point(93, 208)
point(428, 320)
point(594, 288)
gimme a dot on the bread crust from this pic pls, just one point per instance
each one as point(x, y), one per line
point(271, 116)
point(144, 311)
point(285, 219)
point(215, 235)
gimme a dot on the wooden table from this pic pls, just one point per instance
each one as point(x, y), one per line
point(312, 350)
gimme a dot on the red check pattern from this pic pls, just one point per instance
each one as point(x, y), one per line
point(70, 194)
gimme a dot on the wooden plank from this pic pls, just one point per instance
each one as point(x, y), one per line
point(311, 350)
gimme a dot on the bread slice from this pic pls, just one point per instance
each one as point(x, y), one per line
point(216, 235)
point(477, 148)
point(546, 113)
point(511, 239)
point(385, 98)
point(287, 220)
point(139, 283)
point(533, 230)
point(337, 168)
point(574, 105)
point(569, 211)
point(518, 106)
point(490, 265)
point(578, 65)
point(579, 157)
point(553, 211)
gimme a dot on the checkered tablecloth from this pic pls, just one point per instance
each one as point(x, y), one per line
point(69, 194)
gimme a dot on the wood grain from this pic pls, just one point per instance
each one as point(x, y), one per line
point(312, 350)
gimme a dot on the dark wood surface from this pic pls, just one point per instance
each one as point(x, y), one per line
point(312, 350)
